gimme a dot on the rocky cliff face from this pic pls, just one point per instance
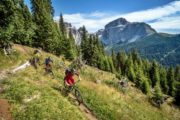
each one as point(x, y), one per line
point(75, 32)
point(122, 31)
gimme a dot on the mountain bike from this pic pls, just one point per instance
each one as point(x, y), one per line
point(48, 70)
point(74, 90)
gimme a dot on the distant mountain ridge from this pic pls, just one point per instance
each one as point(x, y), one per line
point(123, 35)
point(123, 31)
point(164, 48)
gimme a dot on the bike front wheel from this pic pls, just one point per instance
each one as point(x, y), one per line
point(78, 96)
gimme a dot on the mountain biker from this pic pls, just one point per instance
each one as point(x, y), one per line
point(48, 62)
point(35, 58)
point(69, 84)
point(69, 74)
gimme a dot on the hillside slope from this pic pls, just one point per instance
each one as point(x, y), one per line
point(162, 47)
point(33, 95)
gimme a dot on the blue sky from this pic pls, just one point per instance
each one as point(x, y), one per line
point(163, 15)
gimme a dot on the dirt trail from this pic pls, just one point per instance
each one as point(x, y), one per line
point(5, 110)
point(87, 112)
point(4, 74)
point(5, 113)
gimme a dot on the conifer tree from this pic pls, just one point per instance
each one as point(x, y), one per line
point(28, 26)
point(135, 55)
point(46, 36)
point(114, 60)
point(121, 60)
point(130, 69)
point(106, 65)
point(157, 92)
point(112, 69)
point(163, 80)
point(62, 27)
point(70, 53)
point(177, 95)
point(177, 73)
point(154, 74)
point(7, 28)
point(171, 81)
point(145, 86)
point(139, 77)
point(84, 43)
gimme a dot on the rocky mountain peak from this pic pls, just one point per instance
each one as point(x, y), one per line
point(117, 22)
point(123, 31)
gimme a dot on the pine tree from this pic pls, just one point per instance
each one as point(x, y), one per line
point(121, 60)
point(177, 95)
point(171, 81)
point(163, 80)
point(114, 60)
point(145, 86)
point(154, 74)
point(139, 78)
point(70, 53)
point(135, 55)
point(7, 28)
point(62, 27)
point(46, 36)
point(28, 26)
point(84, 44)
point(158, 92)
point(177, 73)
point(106, 65)
point(130, 69)
point(146, 67)
point(112, 69)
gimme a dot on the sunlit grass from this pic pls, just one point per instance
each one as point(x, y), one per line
point(106, 101)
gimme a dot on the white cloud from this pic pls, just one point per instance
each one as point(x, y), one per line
point(165, 17)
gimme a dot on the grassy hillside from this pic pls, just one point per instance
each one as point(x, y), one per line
point(33, 96)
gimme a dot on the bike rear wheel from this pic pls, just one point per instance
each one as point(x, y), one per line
point(78, 96)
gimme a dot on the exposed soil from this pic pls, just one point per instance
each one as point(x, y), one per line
point(87, 112)
point(5, 113)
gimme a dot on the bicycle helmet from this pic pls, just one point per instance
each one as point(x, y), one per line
point(73, 70)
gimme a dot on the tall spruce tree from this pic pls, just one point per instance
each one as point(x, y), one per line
point(121, 60)
point(154, 73)
point(62, 26)
point(114, 60)
point(177, 95)
point(70, 47)
point(46, 34)
point(28, 26)
point(163, 80)
point(157, 91)
point(177, 73)
point(145, 86)
point(139, 77)
point(7, 28)
point(84, 44)
point(130, 69)
point(111, 65)
point(171, 81)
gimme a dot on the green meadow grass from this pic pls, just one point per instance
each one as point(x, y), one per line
point(34, 95)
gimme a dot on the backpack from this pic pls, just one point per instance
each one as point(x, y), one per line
point(47, 61)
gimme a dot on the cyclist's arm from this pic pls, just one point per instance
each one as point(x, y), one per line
point(78, 76)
